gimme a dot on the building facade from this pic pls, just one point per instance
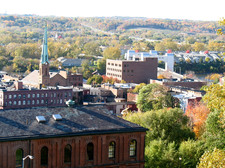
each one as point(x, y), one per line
point(82, 137)
point(132, 71)
point(26, 98)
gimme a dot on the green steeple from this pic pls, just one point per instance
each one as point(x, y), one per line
point(44, 53)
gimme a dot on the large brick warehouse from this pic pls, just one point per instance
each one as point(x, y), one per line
point(87, 136)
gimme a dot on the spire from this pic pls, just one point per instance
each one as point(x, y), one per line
point(44, 53)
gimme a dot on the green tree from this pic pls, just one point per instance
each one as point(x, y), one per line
point(92, 48)
point(112, 53)
point(101, 66)
point(190, 151)
point(138, 87)
point(160, 154)
point(154, 96)
point(3, 62)
point(95, 79)
point(214, 135)
point(169, 125)
point(167, 129)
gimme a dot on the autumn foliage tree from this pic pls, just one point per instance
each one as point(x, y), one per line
point(198, 113)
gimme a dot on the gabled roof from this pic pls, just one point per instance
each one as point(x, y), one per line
point(21, 124)
point(32, 78)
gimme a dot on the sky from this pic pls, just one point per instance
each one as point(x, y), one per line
point(171, 9)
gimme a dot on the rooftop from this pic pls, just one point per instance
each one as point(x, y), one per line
point(22, 124)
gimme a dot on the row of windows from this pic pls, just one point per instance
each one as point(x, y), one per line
point(114, 64)
point(68, 153)
point(128, 70)
point(115, 75)
point(19, 96)
point(116, 70)
point(33, 102)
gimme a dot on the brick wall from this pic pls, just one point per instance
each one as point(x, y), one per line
point(79, 151)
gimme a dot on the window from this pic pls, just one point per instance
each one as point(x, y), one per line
point(42, 95)
point(10, 96)
point(19, 102)
point(42, 101)
point(90, 151)
point(33, 102)
point(28, 95)
point(33, 95)
point(24, 102)
point(24, 96)
point(112, 149)
point(38, 95)
point(14, 102)
point(133, 147)
point(14, 96)
point(10, 103)
point(37, 101)
point(19, 96)
point(44, 156)
point(67, 154)
point(19, 157)
point(28, 102)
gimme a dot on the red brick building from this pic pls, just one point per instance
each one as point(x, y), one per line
point(132, 71)
point(82, 137)
point(34, 98)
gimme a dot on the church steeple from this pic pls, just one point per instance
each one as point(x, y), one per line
point(44, 77)
point(44, 53)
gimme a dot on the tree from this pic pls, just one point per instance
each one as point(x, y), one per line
point(95, 79)
point(154, 96)
point(167, 129)
point(101, 66)
point(214, 135)
point(190, 151)
point(169, 125)
point(138, 87)
point(198, 113)
point(92, 48)
point(213, 159)
point(112, 53)
point(160, 154)
point(199, 46)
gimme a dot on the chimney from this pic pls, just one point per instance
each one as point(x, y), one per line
point(18, 85)
point(39, 86)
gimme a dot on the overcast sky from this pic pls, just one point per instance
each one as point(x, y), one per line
point(173, 9)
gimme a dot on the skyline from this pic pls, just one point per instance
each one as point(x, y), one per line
point(173, 9)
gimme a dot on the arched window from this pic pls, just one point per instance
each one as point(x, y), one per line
point(133, 147)
point(44, 156)
point(19, 157)
point(90, 151)
point(112, 149)
point(67, 154)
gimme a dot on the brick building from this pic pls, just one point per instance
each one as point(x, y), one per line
point(140, 71)
point(43, 76)
point(82, 137)
point(11, 98)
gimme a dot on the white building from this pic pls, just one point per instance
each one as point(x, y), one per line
point(168, 58)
